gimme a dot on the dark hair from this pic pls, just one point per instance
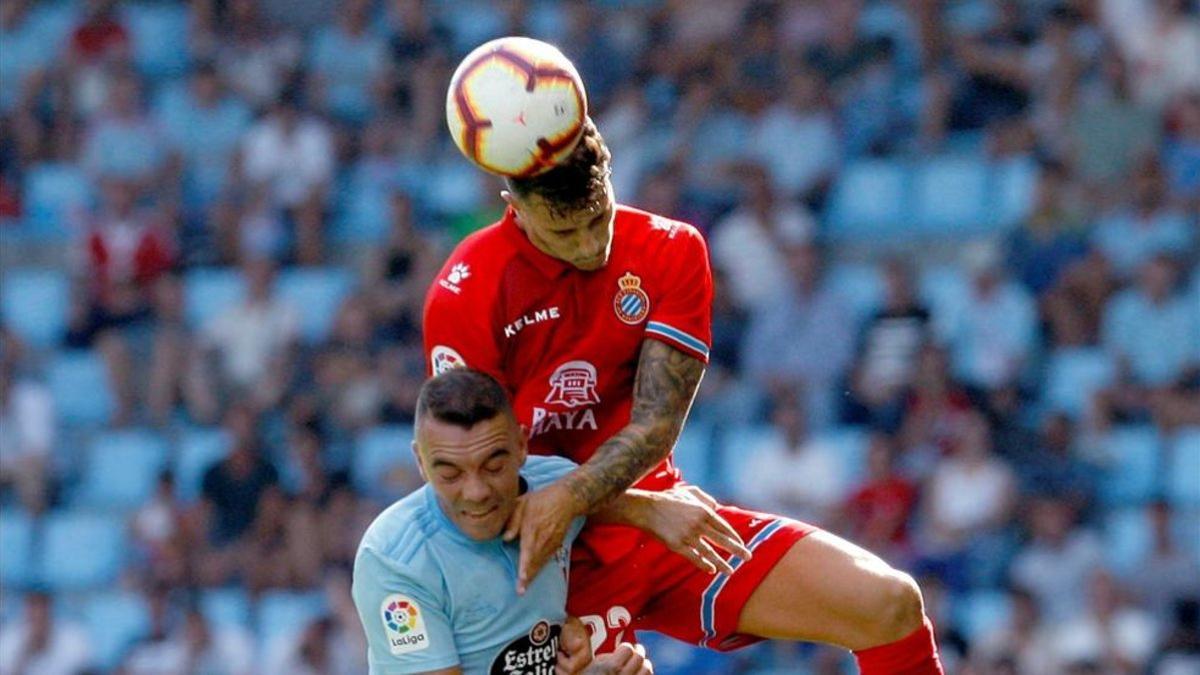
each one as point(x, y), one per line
point(575, 184)
point(462, 397)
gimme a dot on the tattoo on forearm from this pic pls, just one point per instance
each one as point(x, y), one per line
point(666, 383)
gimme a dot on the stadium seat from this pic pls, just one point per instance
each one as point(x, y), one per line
point(316, 294)
point(1014, 183)
point(199, 448)
point(226, 607)
point(16, 533)
point(78, 381)
point(155, 29)
point(1183, 484)
point(693, 454)
point(1186, 529)
point(1073, 377)
point(869, 200)
point(944, 289)
point(982, 611)
point(54, 192)
point(738, 443)
point(34, 304)
point(115, 620)
point(849, 447)
point(860, 285)
point(380, 454)
point(286, 612)
point(122, 468)
point(81, 550)
point(1133, 454)
point(1126, 538)
point(209, 292)
point(951, 195)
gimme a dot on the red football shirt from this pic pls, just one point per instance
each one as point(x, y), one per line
point(564, 342)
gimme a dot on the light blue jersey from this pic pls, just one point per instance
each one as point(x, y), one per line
point(429, 597)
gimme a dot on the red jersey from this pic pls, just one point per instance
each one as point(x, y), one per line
point(564, 342)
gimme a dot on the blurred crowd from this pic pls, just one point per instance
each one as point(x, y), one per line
point(1012, 413)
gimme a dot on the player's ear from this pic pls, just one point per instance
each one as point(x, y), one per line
point(416, 451)
point(522, 443)
point(509, 198)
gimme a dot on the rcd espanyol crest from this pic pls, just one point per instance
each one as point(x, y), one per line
point(573, 384)
point(631, 303)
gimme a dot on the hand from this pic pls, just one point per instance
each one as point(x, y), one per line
point(626, 659)
point(685, 519)
point(541, 520)
point(574, 648)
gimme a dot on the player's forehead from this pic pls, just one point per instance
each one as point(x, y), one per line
point(558, 219)
point(445, 443)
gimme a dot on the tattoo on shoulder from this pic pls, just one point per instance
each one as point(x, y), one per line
point(666, 383)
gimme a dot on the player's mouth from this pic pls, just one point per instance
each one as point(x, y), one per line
point(480, 515)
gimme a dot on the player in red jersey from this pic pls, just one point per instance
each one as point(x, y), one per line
point(596, 317)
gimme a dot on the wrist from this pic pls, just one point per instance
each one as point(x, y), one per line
point(568, 496)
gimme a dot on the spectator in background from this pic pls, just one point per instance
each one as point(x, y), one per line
point(99, 43)
point(41, 644)
point(1129, 237)
point(1161, 40)
point(344, 372)
point(292, 152)
point(1150, 332)
point(349, 61)
point(175, 359)
point(1168, 573)
point(878, 511)
point(1058, 560)
point(30, 55)
point(1051, 467)
point(1181, 152)
point(1110, 632)
point(791, 473)
point(1179, 649)
point(968, 501)
point(27, 428)
point(992, 335)
point(254, 342)
point(124, 142)
point(1024, 639)
point(159, 530)
point(333, 644)
point(801, 119)
point(256, 59)
point(804, 338)
point(280, 547)
point(196, 647)
point(935, 409)
point(1051, 238)
point(747, 245)
point(400, 271)
point(888, 349)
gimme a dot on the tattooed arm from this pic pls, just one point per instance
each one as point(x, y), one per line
point(665, 384)
point(667, 380)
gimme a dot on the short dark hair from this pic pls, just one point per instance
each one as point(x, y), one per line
point(575, 184)
point(462, 397)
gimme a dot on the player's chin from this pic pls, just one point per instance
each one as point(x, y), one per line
point(591, 264)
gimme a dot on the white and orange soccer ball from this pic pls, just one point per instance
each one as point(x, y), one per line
point(516, 106)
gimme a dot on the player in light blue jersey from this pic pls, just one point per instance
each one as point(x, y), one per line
point(434, 583)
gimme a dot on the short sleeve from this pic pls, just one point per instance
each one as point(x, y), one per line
point(681, 315)
point(455, 325)
point(406, 624)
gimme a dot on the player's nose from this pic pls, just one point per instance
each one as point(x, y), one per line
point(475, 490)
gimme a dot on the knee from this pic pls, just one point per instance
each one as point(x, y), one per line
point(899, 608)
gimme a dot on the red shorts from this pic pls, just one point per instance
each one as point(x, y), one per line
point(653, 588)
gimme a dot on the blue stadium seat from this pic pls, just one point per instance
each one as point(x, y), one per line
point(226, 607)
point(34, 303)
point(199, 448)
point(1126, 538)
point(979, 612)
point(1134, 461)
point(1183, 485)
point(81, 550)
point(1186, 530)
point(1073, 377)
point(16, 533)
point(285, 612)
point(944, 288)
point(78, 381)
point(53, 192)
point(951, 195)
point(849, 447)
point(380, 453)
point(737, 443)
point(869, 200)
point(115, 620)
point(122, 469)
point(1014, 183)
point(316, 294)
point(209, 292)
point(860, 285)
point(672, 657)
point(156, 30)
point(693, 455)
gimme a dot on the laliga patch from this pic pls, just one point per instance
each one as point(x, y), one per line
point(533, 654)
point(443, 359)
point(631, 303)
point(403, 624)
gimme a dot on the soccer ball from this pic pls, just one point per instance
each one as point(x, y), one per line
point(516, 106)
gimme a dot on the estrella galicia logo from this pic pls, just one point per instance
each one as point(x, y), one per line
point(532, 654)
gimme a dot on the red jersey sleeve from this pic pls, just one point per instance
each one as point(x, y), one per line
point(682, 314)
point(456, 323)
